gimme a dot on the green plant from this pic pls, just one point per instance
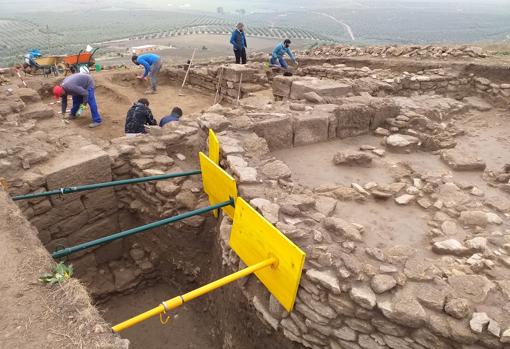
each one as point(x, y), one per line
point(59, 274)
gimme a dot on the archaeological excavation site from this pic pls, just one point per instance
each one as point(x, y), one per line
point(361, 203)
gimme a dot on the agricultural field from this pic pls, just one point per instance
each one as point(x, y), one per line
point(60, 33)
point(361, 22)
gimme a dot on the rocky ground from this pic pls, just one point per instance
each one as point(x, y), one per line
point(395, 183)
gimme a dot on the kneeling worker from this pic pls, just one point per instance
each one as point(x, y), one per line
point(175, 115)
point(137, 117)
point(279, 51)
point(81, 87)
point(152, 64)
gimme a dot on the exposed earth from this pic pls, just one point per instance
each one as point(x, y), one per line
point(392, 173)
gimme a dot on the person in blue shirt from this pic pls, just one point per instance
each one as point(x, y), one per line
point(152, 65)
point(175, 115)
point(238, 41)
point(279, 51)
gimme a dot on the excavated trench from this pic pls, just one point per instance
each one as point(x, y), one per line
point(132, 275)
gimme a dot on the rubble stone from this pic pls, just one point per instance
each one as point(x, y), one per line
point(352, 159)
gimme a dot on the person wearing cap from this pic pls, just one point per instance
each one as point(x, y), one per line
point(151, 62)
point(279, 51)
point(80, 87)
point(238, 41)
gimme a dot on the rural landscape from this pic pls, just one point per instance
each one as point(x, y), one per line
point(329, 175)
point(26, 24)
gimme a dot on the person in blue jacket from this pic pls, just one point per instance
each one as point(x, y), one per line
point(175, 115)
point(238, 41)
point(152, 65)
point(279, 51)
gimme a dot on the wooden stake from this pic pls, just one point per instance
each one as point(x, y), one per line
point(218, 87)
point(239, 91)
point(187, 72)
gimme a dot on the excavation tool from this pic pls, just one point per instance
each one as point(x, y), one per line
point(187, 72)
point(21, 78)
point(270, 255)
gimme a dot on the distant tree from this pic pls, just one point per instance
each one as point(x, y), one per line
point(220, 10)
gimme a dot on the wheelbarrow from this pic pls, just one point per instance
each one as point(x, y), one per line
point(83, 58)
point(49, 64)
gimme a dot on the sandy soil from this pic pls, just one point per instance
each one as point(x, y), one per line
point(114, 101)
point(387, 223)
point(189, 328)
point(34, 315)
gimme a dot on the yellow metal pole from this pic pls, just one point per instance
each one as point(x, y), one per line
point(180, 300)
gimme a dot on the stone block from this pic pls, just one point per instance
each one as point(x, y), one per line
point(459, 160)
point(324, 88)
point(276, 129)
point(103, 227)
point(282, 85)
point(109, 252)
point(310, 128)
point(28, 95)
point(85, 165)
point(213, 121)
point(70, 224)
point(39, 111)
point(353, 119)
point(99, 201)
point(233, 73)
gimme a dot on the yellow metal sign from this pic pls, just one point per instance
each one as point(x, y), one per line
point(218, 184)
point(214, 147)
point(254, 239)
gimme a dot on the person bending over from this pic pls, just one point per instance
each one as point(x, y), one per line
point(137, 117)
point(80, 87)
point(279, 51)
point(175, 115)
point(152, 64)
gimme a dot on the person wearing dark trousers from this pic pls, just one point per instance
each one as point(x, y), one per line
point(238, 41)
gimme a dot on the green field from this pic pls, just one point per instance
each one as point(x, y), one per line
point(361, 22)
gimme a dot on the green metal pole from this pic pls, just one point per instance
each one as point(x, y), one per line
point(126, 233)
point(69, 190)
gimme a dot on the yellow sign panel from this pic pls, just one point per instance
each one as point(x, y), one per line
point(254, 239)
point(214, 147)
point(218, 184)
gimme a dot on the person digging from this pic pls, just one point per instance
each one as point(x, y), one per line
point(152, 65)
point(279, 51)
point(80, 87)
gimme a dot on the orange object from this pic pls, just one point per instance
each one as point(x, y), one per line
point(82, 58)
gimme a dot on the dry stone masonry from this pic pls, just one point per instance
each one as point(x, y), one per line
point(439, 278)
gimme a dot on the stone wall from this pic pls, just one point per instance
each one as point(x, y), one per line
point(222, 79)
point(448, 82)
point(353, 295)
point(63, 221)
